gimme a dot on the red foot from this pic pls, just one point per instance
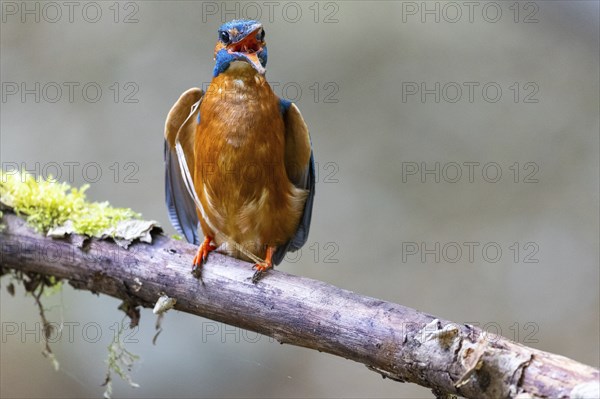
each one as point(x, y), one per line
point(202, 254)
point(264, 266)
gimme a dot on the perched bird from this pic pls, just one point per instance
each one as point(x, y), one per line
point(238, 159)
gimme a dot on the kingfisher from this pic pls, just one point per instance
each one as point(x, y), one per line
point(239, 163)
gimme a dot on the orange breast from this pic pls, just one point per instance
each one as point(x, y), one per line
point(240, 174)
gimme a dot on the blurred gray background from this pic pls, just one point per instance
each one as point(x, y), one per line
point(352, 68)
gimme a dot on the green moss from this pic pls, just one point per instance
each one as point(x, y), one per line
point(52, 286)
point(120, 361)
point(47, 204)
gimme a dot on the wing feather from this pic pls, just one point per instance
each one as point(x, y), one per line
point(300, 166)
point(181, 126)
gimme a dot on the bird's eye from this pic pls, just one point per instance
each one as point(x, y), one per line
point(260, 36)
point(224, 36)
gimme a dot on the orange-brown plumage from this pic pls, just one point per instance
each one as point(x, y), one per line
point(242, 181)
point(238, 159)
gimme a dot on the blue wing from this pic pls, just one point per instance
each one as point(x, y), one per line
point(300, 165)
point(181, 125)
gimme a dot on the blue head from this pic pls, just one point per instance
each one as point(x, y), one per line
point(241, 40)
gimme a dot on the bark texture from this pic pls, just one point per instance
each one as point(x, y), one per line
point(398, 342)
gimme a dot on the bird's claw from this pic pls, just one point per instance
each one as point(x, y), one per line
point(202, 256)
point(257, 275)
point(197, 270)
point(261, 269)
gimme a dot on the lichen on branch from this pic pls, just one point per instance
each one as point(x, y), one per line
point(57, 209)
point(49, 204)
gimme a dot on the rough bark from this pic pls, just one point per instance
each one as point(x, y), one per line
point(398, 342)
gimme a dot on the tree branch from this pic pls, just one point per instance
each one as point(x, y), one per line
point(393, 340)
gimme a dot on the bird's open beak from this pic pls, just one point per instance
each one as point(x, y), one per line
point(248, 48)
